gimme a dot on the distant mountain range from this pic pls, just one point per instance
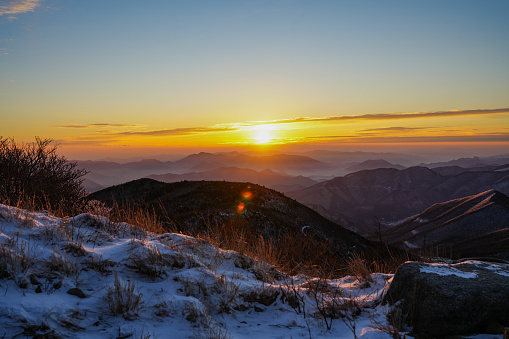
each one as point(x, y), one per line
point(268, 178)
point(372, 164)
point(282, 172)
point(469, 213)
point(469, 226)
point(359, 199)
point(201, 204)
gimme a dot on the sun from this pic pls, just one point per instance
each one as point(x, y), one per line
point(263, 134)
point(263, 137)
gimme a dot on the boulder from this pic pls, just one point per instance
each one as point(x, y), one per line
point(77, 292)
point(437, 300)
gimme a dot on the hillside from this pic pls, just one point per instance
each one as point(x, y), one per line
point(195, 205)
point(87, 277)
point(471, 226)
point(357, 200)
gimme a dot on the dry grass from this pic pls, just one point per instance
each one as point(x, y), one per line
point(291, 252)
point(144, 218)
point(150, 262)
point(16, 258)
point(123, 299)
point(62, 263)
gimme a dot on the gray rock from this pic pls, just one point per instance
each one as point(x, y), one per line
point(448, 299)
point(77, 292)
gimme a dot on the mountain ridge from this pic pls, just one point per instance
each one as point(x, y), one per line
point(359, 199)
point(444, 225)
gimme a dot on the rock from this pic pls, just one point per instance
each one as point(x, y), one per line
point(77, 292)
point(57, 285)
point(451, 299)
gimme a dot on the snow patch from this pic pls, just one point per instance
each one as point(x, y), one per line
point(444, 270)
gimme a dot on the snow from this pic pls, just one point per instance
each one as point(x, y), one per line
point(187, 287)
point(499, 268)
point(445, 269)
point(448, 269)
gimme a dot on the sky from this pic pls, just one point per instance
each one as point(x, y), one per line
point(128, 77)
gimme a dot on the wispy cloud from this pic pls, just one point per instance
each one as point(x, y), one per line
point(390, 116)
point(109, 133)
point(95, 125)
point(181, 131)
point(393, 129)
point(390, 130)
point(481, 137)
point(19, 6)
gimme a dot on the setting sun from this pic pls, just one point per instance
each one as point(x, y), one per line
point(263, 134)
point(263, 137)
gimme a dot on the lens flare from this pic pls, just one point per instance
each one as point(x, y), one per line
point(240, 208)
point(247, 195)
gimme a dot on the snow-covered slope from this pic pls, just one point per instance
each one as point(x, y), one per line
point(86, 277)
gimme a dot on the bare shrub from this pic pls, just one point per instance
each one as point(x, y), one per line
point(97, 207)
point(75, 249)
point(229, 292)
point(192, 312)
point(193, 287)
point(123, 298)
point(16, 257)
point(292, 294)
point(33, 176)
point(59, 262)
point(207, 327)
point(358, 268)
point(330, 304)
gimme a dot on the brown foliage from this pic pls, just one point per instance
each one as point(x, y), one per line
point(33, 176)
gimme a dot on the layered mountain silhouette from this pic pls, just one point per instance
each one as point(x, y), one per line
point(372, 164)
point(476, 225)
point(218, 166)
point(201, 204)
point(358, 200)
point(268, 178)
point(291, 169)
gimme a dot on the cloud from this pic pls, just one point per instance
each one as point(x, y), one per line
point(482, 137)
point(95, 125)
point(393, 129)
point(19, 6)
point(389, 116)
point(181, 131)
